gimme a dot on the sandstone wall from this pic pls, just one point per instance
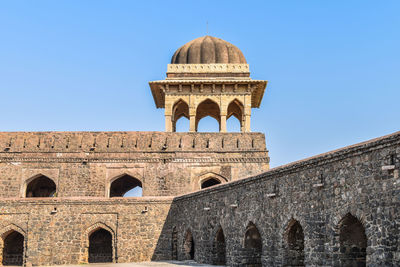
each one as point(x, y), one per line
point(57, 230)
point(84, 163)
point(319, 192)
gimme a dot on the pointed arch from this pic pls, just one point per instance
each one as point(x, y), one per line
point(12, 246)
point(219, 248)
point(352, 241)
point(99, 244)
point(206, 108)
point(189, 246)
point(252, 246)
point(40, 186)
point(235, 109)
point(180, 109)
point(122, 184)
point(210, 179)
point(293, 244)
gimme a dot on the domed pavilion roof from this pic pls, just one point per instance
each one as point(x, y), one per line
point(208, 50)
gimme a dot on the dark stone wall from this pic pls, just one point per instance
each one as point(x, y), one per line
point(317, 193)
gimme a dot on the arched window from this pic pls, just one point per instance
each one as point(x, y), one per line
point(294, 252)
point(126, 186)
point(252, 246)
point(353, 242)
point(219, 248)
point(210, 182)
point(100, 246)
point(205, 109)
point(174, 244)
point(13, 249)
point(188, 246)
point(234, 116)
point(180, 110)
point(41, 186)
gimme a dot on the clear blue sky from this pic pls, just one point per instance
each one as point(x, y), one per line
point(333, 66)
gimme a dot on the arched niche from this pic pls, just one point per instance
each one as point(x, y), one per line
point(209, 179)
point(252, 246)
point(124, 185)
point(353, 241)
point(189, 246)
point(40, 186)
point(219, 248)
point(294, 244)
point(235, 112)
point(212, 181)
point(208, 108)
point(180, 111)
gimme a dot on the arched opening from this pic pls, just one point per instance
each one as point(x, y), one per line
point(208, 124)
point(13, 250)
point(174, 244)
point(252, 246)
point(353, 242)
point(205, 109)
point(294, 254)
point(100, 246)
point(188, 246)
point(210, 182)
point(180, 110)
point(219, 248)
point(182, 125)
point(234, 116)
point(126, 186)
point(41, 186)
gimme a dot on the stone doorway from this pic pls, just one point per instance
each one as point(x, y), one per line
point(13, 250)
point(188, 246)
point(252, 247)
point(100, 246)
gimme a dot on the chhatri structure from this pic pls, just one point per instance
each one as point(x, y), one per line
point(209, 197)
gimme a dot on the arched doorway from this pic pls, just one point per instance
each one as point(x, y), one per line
point(13, 249)
point(219, 248)
point(126, 185)
point(353, 242)
point(252, 246)
point(208, 108)
point(188, 246)
point(41, 186)
point(209, 182)
point(294, 251)
point(174, 244)
point(100, 246)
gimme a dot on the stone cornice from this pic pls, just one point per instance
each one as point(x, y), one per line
point(16, 160)
point(208, 68)
point(208, 86)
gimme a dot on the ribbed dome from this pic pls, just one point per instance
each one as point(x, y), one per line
point(208, 50)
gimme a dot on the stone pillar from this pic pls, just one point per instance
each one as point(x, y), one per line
point(247, 114)
point(168, 123)
point(192, 123)
point(222, 127)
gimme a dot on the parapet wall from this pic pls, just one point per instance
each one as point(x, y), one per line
point(84, 163)
point(361, 180)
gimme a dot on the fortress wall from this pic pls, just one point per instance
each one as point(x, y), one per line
point(84, 163)
point(62, 237)
point(354, 180)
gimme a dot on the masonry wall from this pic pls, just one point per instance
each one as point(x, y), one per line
point(85, 163)
point(362, 180)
